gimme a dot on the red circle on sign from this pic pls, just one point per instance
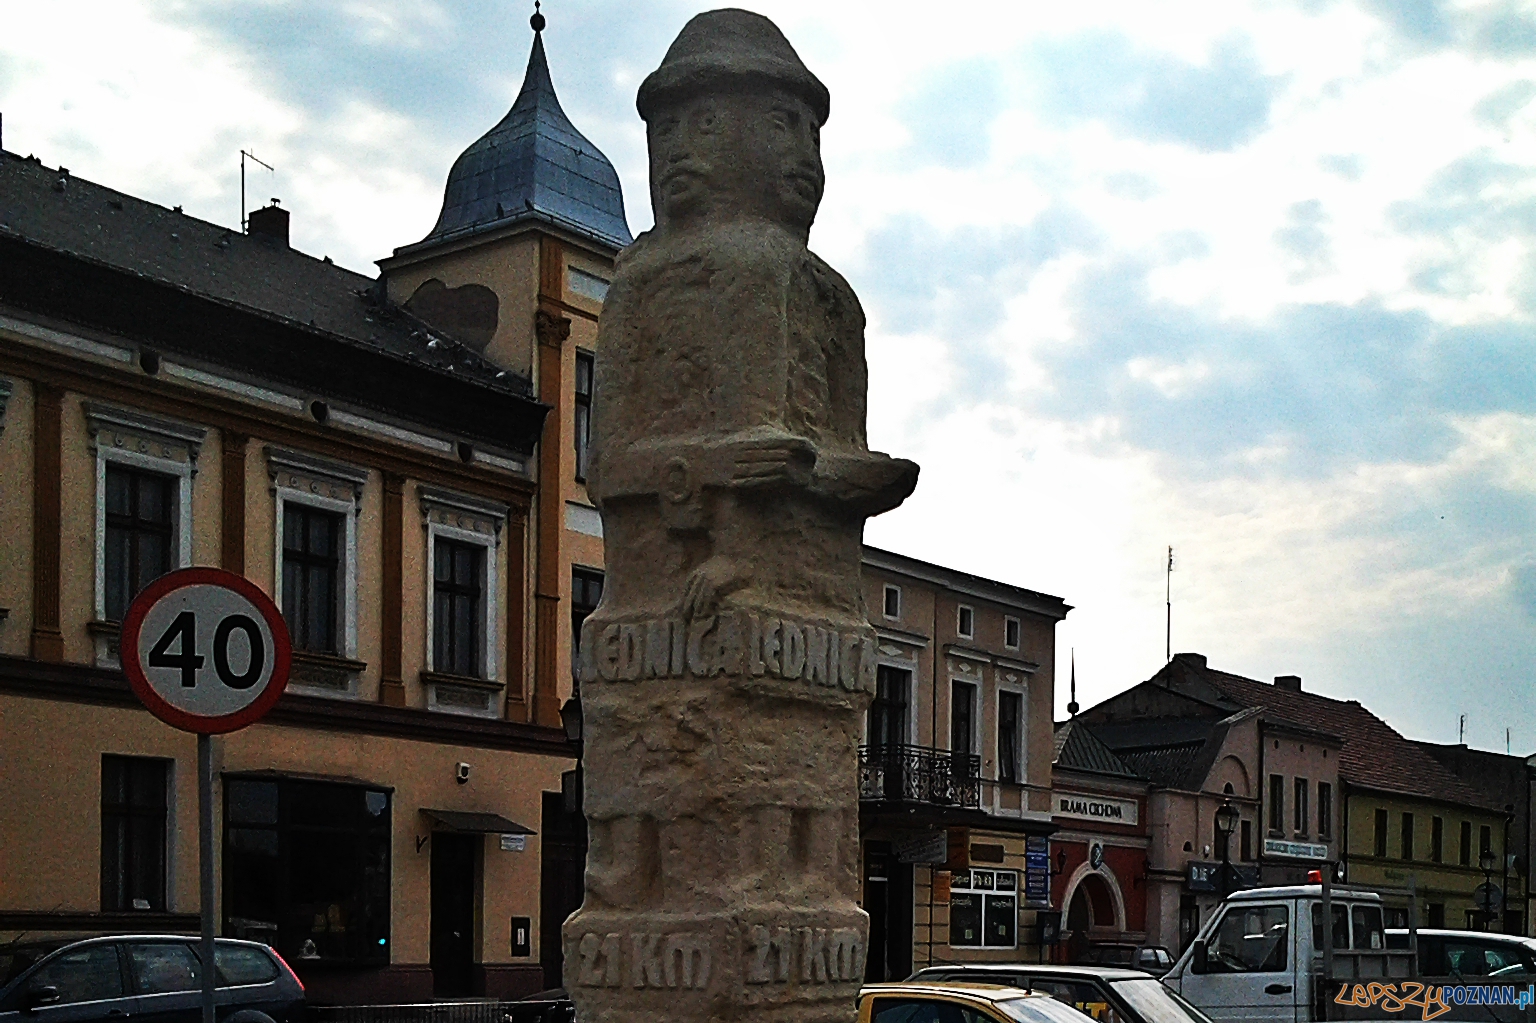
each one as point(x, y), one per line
point(128, 650)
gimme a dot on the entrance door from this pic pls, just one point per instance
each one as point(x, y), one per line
point(888, 901)
point(562, 881)
point(453, 912)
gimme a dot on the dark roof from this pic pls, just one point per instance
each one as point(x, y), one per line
point(1078, 749)
point(1167, 766)
point(333, 323)
point(1372, 755)
point(476, 822)
point(532, 166)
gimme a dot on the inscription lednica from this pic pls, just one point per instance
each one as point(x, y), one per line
point(725, 676)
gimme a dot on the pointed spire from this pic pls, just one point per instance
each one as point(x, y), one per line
point(1072, 703)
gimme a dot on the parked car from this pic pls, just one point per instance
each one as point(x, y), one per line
point(1153, 959)
point(1445, 953)
point(911, 1002)
point(1108, 994)
point(155, 978)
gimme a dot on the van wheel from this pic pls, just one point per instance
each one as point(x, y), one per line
point(249, 1016)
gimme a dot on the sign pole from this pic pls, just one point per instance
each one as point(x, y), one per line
point(205, 865)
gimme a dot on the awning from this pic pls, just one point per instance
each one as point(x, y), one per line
point(474, 822)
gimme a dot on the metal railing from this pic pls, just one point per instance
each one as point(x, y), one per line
point(487, 1011)
point(920, 774)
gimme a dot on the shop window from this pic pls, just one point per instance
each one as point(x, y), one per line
point(984, 909)
point(1010, 736)
point(133, 819)
point(585, 372)
point(307, 868)
point(586, 594)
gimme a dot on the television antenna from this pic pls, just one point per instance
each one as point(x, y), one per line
point(244, 155)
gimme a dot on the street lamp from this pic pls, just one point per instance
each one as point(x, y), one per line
point(1486, 861)
point(1226, 823)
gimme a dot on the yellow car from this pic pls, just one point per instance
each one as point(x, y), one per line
point(960, 1003)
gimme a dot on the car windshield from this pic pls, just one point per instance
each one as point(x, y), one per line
point(1039, 1010)
point(15, 959)
point(1154, 1003)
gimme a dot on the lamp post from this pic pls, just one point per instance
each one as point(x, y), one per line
point(1486, 862)
point(1226, 823)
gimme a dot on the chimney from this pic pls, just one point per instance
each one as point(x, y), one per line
point(1291, 682)
point(270, 223)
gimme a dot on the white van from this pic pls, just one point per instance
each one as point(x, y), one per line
point(1264, 956)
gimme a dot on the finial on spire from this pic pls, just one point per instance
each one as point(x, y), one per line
point(1072, 703)
point(537, 21)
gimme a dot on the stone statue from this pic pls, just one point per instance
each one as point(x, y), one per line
point(725, 676)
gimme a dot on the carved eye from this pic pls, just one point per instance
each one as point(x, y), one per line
point(783, 119)
point(708, 120)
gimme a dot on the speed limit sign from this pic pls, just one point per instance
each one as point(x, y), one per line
point(205, 650)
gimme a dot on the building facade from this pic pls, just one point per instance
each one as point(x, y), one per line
point(955, 773)
point(396, 461)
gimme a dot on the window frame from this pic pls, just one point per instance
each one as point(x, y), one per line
point(1021, 693)
point(165, 813)
point(1465, 857)
point(584, 610)
point(153, 444)
point(962, 612)
point(884, 670)
point(1382, 824)
point(1276, 820)
point(1437, 839)
point(963, 885)
point(449, 515)
point(582, 401)
point(300, 478)
point(138, 526)
point(1325, 810)
point(891, 590)
point(1405, 838)
point(974, 713)
point(453, 588)
point(1012, 624)
point(1300, 812)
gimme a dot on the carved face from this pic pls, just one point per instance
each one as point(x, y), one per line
point(737, 153)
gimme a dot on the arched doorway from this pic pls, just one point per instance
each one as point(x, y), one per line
point(1094, 908)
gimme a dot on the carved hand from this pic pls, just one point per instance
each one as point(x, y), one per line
point(773, 463)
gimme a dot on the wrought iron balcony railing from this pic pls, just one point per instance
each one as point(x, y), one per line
point(920, 774)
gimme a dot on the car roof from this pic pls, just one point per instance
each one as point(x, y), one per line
point(1441, 932)
point(981, 992)
point(1298, 891)
point(1049, 970)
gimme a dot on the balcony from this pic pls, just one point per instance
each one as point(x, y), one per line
point(918, 774)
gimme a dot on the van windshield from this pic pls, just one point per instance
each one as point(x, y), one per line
point(1154, 1003)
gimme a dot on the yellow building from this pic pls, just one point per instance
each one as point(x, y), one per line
point(397, 463)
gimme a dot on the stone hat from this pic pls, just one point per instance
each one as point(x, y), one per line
point(730, 45)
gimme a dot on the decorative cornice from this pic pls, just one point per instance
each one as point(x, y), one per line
point(171, 432)
point(321, 470)
point(455, 503)
point(550, 329)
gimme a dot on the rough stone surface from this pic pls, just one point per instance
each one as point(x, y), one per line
point(725, 676)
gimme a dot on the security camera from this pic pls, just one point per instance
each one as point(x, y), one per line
point(461, 772)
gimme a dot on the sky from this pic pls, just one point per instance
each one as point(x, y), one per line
point(1254, 279)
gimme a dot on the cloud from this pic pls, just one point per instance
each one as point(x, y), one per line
point(1156, 96)
point(1522, 587)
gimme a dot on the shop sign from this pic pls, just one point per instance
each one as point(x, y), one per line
point(929, 847)
point(1295, 850)
point(1096, 808)
point(1037, 872)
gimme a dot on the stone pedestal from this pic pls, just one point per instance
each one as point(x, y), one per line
point(725, 676)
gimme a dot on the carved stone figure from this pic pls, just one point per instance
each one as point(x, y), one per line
point(725, 676)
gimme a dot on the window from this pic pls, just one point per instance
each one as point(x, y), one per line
point(1405, 848)
point(1324, 810)
point(1381, 833)
point(962, 719)
point(888, 711)
point(312, 560)
point(89, 974)
point(164, 967)
point(307, 868)
point(1466, 844)
point(1436, 915)
point(144, 470)
point(1011, 633)
point(463, 536)
point(1010, 713)
point(456, 611)
point(140, 534)
point(893, 601)
point(1247, 839)
point(586, 594)
point(317, 504)
point(1484, 840)
point(1277, 804)
point(133, 817)
point(1251, 939)
point(585, 365)
point(984, 909)
point(1301, 786)
point(965, 623)
point(1437, 839)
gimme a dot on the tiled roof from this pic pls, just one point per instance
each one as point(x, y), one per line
point(1078, 749)
point(60, 212)
point(1167, 766)
point(1373, 754)
point(533, 165)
